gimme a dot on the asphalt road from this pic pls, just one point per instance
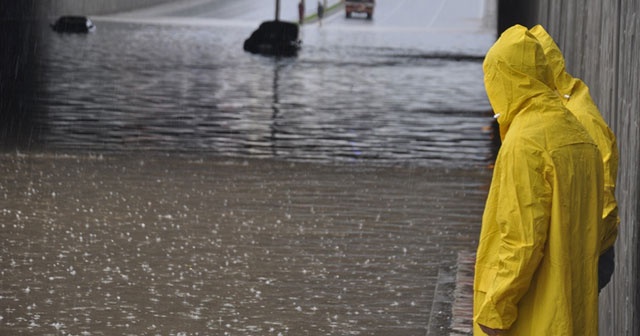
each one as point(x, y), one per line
point(439, 15)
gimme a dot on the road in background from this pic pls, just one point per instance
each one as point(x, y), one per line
point(395, 89)
point(418, 23)
point(458, 15)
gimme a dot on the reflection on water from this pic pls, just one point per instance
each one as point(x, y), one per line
point(193, 89)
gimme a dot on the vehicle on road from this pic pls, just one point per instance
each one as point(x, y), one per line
point(73, 24)
point(359, 6)
point(278, 38)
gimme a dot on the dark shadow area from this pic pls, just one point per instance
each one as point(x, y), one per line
point(495, 140)
point(276, 107)
point(19, 54)
point(514, 12)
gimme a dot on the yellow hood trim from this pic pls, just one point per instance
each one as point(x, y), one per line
point(512, 78)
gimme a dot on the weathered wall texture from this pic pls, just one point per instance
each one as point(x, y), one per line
point(600, 41)
point(53, 8)
point(18, 72)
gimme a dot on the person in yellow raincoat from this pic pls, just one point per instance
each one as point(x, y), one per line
point(575, 95)
point(537, 259)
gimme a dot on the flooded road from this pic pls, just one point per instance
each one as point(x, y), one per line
point(130, 245)
point(180, 186)
point(357, 91)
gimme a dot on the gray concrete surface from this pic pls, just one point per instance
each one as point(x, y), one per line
point(53, 8)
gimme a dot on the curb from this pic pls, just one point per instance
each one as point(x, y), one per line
point(452, 308)
point(462, 308)
point(328, 11)
point(440, 317)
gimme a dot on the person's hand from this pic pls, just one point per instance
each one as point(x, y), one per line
point(490, 331)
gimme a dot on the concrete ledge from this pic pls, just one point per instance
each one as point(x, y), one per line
point(440, 316)
point(452, 309)
point(462, 308)
point(54, 8)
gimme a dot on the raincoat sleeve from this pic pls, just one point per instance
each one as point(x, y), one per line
point(611, 220)
point(522, 215)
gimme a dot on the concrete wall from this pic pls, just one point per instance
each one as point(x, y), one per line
point(18, 72)
point(54, 8)
point(600, 42)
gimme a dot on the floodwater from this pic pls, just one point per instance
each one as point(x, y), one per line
point(129, 245)
point(180, 186)
point(350, 95)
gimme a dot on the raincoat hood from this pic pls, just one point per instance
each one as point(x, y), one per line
point(512, 77)
point(563, 81)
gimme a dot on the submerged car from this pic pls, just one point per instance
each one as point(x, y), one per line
point(73, 24)
point(278, 38)
point(359, 6)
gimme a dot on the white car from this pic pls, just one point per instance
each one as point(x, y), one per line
point(359, 6)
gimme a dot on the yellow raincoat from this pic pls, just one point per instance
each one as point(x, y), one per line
point(576, 97)
point(537, 260)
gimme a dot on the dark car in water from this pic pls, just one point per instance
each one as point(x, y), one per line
point(278, 38)
point(73, 24)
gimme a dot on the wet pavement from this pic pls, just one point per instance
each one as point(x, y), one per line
point(181, 245)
